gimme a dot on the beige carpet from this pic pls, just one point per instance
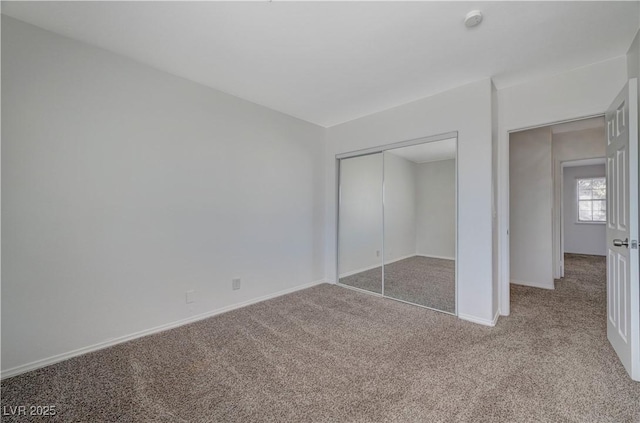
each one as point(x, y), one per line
point(329, 354)
point(420, 280)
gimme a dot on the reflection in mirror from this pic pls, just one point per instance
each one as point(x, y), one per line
point(360, 222)
point(419, 224)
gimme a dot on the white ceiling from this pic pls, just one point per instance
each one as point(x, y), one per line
point(428, 152)
point(330, 62)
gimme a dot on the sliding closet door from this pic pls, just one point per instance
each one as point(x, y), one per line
point(420, 224)
point(360, 222)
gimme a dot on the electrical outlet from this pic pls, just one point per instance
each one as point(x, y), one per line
point(190, 296)
point(235, 283)
point(377, 253)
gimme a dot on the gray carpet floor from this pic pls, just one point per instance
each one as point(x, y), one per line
point(330, 354)
point(420, 280)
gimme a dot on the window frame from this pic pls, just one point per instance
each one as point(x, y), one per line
point(578, 200)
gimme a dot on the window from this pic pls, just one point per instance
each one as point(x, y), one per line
point(592, 200)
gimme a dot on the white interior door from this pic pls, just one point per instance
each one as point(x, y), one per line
point(623, 293)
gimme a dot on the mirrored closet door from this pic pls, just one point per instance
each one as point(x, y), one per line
point(403, 246)
point(360, 222)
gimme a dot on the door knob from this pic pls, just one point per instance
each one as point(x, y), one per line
point(620, 243)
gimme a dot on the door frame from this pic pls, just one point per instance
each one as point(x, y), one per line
point(504, 248)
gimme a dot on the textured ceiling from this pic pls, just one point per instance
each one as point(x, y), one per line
point(330, 62)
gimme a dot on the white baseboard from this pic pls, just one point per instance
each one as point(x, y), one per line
point(364, 269)
point(485, 322)
point(587, 254)
point(353, 272)
point(436, 257)
point(400, 258)
point(533, 284)
point(105, 344)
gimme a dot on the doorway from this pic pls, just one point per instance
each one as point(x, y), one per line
point(621, 152)
point(537, 158)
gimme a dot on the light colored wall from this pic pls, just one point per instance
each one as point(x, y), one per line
point(581, 238)
point(531, 193)
point(586, 91)
point(399, 207)
point(568, 146)
point(360, 221)
point(436, 209)
point(419, 210)
point(466, 109)
point(123, 187)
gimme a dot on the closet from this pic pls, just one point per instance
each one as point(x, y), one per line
point(397, 221)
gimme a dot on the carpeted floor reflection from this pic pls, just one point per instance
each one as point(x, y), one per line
point(420, 280)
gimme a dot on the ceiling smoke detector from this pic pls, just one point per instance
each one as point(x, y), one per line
point(473, 18)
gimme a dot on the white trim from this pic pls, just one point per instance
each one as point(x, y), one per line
point(556, 122)
point(364, 269)
point(407, 143)
point(436, 257)
point(400, 258)
point(558, 225)
point(576, 182)
point(586, 254)
point(382, 229)
point(336, 211)
point(533, 285)
point(584, 162)
point(105, 344)
point(485, 322)
point(353, 272)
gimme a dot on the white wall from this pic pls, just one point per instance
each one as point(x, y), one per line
point(586, 91)
point(570, 146)
point(436, 209)
point(360, 213)
point(466, 109)
point(419, 210)
point(124, 186)
point(581, 238)
point(399, 207)
point(531, 193)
